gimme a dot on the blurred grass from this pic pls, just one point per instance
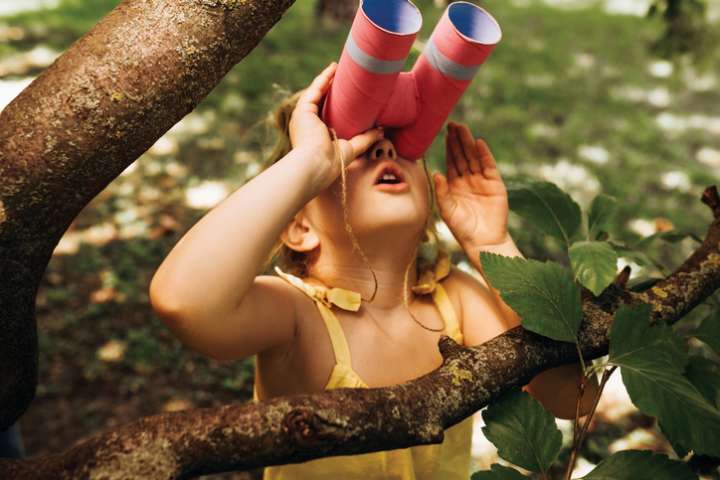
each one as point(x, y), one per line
point(553, 85)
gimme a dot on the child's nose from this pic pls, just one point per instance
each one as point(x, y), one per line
point(382, 150)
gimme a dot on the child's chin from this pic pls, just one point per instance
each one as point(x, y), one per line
point(398, 219)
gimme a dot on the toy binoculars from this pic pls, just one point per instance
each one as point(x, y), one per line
point(369, 88)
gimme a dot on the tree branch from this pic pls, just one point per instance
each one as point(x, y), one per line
point(96, 109)
point(350, 421)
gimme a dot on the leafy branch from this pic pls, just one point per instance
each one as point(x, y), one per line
point(656, 369)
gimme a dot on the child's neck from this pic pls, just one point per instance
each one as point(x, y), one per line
point(347, 270)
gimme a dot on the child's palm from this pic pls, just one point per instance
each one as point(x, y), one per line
point(472, 199)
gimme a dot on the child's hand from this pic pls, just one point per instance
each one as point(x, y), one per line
point(308, 132)
point(472, 199)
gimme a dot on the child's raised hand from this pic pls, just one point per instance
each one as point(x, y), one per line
point(307, 131)
point(472, 199)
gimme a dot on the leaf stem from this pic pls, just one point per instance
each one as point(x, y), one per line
point(580, 355)
point(578, 438)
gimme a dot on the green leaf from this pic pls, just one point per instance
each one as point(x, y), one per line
point(498, 472)
point(709, 331)
point(523, 431)
point(601, 212)
point(544, 295)
point(594, 263)
point(547, 207)
point(640, 464)
point(679, 449)
point(652, 361)
point(705, 375)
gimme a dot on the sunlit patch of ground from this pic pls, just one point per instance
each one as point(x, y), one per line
point(9, 89)
point(12, 7)
point(613, 7)
point(39, 57)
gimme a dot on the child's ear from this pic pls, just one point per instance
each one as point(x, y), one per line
point(299, 235)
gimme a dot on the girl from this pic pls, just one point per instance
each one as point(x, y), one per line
point(360, 300)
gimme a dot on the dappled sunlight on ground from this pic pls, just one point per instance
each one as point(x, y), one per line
point(572, 178)
point(673, 123)
point(9, 89)
point(594, 153)
point(39, 57)
point(206, 195)
point(613, 7)
point(11, 7)
point(709, 157)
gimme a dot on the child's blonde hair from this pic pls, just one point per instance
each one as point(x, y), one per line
point(298, 263)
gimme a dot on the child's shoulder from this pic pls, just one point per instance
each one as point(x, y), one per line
point(459, 283)
point(282, 289)
point(479, 314)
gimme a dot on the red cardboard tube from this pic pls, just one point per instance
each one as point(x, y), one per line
point(460, 43)
point(374, 54)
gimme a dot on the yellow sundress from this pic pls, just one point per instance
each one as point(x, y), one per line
point(449, 460)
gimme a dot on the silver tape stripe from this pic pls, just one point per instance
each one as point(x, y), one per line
point(368, 62)
point(445, 65)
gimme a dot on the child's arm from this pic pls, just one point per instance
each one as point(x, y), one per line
point(206, 290)
point(473, 203)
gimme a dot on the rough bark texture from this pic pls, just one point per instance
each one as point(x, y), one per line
point(339, 10)
point(95, 110)
point(349, 421)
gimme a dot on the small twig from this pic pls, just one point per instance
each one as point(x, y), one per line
point(581, 392)
point(711, 198)
point(575, 447)
point(622, 278)
point(578, 439)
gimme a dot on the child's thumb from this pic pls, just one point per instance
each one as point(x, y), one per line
point(441, 186)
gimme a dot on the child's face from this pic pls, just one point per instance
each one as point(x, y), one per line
point(377, 214)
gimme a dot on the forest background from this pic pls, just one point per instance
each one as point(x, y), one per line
point(575, 94)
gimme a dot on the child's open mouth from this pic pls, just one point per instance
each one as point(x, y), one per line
point(390, 179)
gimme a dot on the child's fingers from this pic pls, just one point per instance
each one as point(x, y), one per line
point(487, 160)
point(313, 94)
point(362, 142)
point(445, 202)
point(450, 163)
point(458, 154)
point(472, 154)
point(441, 185)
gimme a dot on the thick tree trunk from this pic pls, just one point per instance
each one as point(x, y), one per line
point(83, 121)
point(339, 10)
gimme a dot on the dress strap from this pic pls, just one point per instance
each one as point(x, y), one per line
point(429, 282)
point(444, 304)
point(337, 336)
point(324, 298)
